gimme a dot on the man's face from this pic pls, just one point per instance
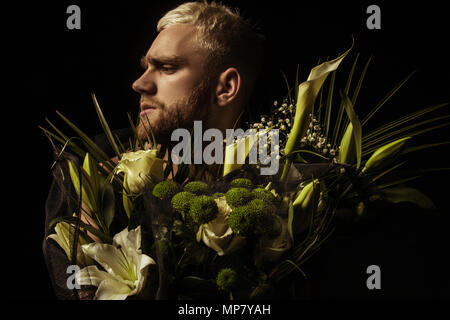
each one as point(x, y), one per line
point(174, 88)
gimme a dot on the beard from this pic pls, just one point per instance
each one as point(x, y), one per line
point(181, 114)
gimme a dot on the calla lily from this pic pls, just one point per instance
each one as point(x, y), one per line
point(306, 96)
point(126, 267)
point(217, 234)
point(237, 152)
point(138, 167)
point(64, 237)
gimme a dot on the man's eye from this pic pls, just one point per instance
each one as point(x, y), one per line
point(168, 68)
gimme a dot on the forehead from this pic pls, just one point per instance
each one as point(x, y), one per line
point(177, 40)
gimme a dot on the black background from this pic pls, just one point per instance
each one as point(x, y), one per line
point(56, 69)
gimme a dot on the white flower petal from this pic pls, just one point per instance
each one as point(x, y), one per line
point(112, 289)
point(129, 240)
point(91, 276)
point(109, 257)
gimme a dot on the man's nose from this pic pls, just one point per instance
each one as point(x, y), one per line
point(145, 84)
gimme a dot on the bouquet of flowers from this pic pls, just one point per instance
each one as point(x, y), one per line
point(146, 228)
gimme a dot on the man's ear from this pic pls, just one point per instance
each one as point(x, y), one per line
point(228, 86)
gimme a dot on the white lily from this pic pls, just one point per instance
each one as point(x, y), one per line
point(126, 267)
point(217, 234)
point(64, 237)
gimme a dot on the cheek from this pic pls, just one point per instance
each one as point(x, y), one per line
point(177, 86)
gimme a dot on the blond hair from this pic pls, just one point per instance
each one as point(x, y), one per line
point(228, 38)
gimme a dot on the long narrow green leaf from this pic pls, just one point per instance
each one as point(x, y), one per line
point(105, 126)
point(287, 86)
point(337, 124)
point(133, 128)
point(329, 104)
point(81, 153)
point(356, 127)
point(74, 220)
point(387, 171)
point(406, 194)
point(89, 143)
point(360, 81)
point(415, 133)
point(386, 99)
point(396, 132)
point(403, 120)
point(296, 83)
point(396, 182)
point(424, 146)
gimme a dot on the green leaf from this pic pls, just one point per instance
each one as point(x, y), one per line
point(290, 220)
point(133, 128)
point(287, 86)
point(407, 194)
point(403, 129)
point(127, 203)
point(385, 99)
point(105, 126)
point(341, 108)
point(108, 204)
point(402, 120)
point(329, 103)
point(358, 86)
point(350, 146)
point(424, 146)
point(396, 182)
point(87, 194)
point(90, 167)
point(387, 171)
point(196, 286)
point(74, 220)
point(99, 154)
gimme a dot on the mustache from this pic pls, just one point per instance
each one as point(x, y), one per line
point(152, 102)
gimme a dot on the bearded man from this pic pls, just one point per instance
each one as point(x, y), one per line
point(203, 65)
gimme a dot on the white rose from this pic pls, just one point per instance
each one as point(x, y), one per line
point(217, 234)
point(138, 167)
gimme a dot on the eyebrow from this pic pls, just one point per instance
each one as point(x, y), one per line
point(162, 60)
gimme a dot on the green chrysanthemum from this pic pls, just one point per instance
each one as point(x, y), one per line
point(182, 202)
point(218, 194)
point(242, 183)
point(238, 196)
point(165, 190)
point(266, 195)
point(197, 187)
point(203, 209)
point(240, 221)
point(256, 217)
point(226, 279)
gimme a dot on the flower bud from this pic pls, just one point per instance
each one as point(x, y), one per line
point(304, 197)
point(385, 153)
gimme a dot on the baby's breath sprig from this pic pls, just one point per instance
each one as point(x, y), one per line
point(316, 140)
point(280, 119)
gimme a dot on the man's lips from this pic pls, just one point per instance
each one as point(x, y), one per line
point(146, 108)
